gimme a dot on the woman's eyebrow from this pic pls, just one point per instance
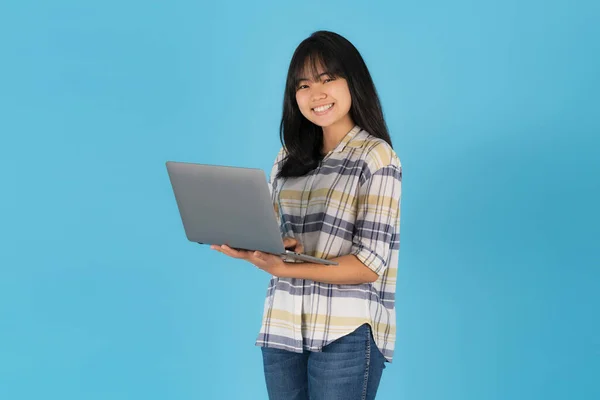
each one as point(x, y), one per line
point(320, 75)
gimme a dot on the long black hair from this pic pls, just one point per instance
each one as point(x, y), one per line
point(302, 139)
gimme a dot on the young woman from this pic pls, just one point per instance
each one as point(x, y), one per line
point(328, 330)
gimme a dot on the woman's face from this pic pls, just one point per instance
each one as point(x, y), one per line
point(324, 102)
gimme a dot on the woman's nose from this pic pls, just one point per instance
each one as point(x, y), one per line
point(318, 95)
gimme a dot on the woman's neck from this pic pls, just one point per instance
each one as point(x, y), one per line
point(333, 134)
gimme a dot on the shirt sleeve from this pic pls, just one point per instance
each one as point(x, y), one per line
point(377, 225)
point(273, 185)
point(274, 170)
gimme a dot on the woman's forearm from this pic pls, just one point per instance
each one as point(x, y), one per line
point(350, 270)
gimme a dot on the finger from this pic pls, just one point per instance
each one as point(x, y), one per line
point(297, 249)
point(216, 248)
point(293, 244)
point(261, 260)
point(228, 252)
point(264, 258)
point(234, 253)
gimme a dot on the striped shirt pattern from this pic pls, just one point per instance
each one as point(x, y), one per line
point(350, 204)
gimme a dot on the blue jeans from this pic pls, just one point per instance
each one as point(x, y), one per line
point(347, 369)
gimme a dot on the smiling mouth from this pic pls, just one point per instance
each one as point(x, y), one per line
point(322, 110)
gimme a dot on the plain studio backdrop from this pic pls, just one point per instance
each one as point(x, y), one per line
point(493, 108)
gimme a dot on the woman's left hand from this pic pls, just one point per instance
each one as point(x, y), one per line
point(267, 262)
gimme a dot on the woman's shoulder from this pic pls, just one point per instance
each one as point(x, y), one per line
point(377, 153)
point(279, 158)
point(281, 155)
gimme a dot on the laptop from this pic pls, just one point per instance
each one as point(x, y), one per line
point(229, 205)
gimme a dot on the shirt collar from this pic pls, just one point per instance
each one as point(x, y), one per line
point(347, 139)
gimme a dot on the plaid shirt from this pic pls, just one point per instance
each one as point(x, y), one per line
point(350, 204)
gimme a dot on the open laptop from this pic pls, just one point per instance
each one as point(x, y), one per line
point(229, 205)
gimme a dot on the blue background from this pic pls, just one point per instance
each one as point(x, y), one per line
point(493, 108)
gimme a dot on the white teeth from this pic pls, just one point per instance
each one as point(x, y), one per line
point(323, 108)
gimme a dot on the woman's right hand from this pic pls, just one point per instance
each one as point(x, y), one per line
point(293, 244)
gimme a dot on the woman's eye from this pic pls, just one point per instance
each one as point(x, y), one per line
point(329, 80)
point(302, 87)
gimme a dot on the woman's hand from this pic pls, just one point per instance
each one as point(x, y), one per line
point(267, 262)
point(293, 244)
